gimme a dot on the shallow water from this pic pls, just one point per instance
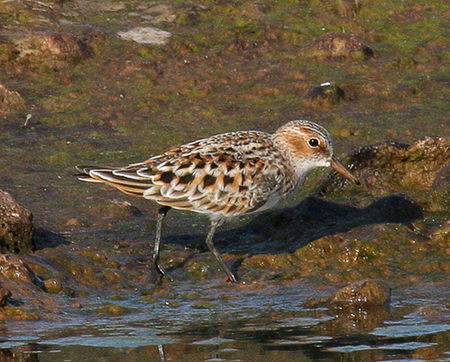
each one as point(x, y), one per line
point(230, 65)
point(241, 325)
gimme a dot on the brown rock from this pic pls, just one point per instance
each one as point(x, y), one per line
point(52, 285)
point(50, 49)
point(325, 94)
point(158, 13)
point(391, 167)
point(12, 267)
point(16, 228)
point(337, 45)
point(440, 190)
point(10, 101)
point(4, 295)
point(362, 293)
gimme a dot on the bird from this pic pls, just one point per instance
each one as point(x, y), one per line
point(223, 176)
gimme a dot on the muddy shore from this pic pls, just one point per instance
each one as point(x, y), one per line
point(115, 82)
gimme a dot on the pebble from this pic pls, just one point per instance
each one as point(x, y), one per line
point(146, 35)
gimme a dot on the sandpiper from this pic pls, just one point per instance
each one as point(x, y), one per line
point(224, 176)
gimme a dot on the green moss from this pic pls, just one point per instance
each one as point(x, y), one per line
point(113, 309)
point(19, 314)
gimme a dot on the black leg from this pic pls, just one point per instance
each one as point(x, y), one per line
point(209, 242)
point(156, 269)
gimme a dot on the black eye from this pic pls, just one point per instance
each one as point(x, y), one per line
point(313, 142)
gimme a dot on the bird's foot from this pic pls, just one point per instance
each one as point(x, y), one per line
point(231, 277)
point(157, 272)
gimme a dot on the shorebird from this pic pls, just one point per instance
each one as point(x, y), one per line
point(224, 176)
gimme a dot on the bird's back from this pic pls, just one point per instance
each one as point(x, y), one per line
point(223, 175)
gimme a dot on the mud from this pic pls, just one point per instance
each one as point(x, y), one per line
point(75, 92)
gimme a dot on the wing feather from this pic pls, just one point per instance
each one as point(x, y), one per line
point(228, 174)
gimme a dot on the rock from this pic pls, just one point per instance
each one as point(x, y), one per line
point(325, 94)
point(157, 13)
point(442, 236)
point(4, 295)
point(16, 228)
point(50, 49)
point(113, 309)
point(419, 169)
point(146, 35)
point(363, 293)
point(12, 267)
point(10, 101)
point(52, 285)
point(440, 190)
point(337, 45)
point(18, 314)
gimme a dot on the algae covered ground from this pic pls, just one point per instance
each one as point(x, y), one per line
point(374, 73)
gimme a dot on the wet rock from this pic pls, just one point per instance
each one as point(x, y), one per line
point(391, 167)
point(18, 314)
point(442, 236)
point(325, 94)
point(16, 354)
point(157, 13)
point(113, 309)
point(363, 293)
point(4, 295)
point(10, 101)
point(53, 285)
point(16, 228)
point(12, 267)
point(146, 35)
point(440, 189)
point(50, 49)
point(337, 45)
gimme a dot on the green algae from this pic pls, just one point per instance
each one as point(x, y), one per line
point(113, 309)
point(230, 65)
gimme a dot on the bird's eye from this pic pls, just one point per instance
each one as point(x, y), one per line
point(313, 142)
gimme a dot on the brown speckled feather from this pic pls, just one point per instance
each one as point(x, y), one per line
point(224, 175)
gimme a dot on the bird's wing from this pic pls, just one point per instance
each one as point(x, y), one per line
point(227, 174)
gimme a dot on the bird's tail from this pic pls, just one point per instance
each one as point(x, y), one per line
point(84, 173)
point(125, 182)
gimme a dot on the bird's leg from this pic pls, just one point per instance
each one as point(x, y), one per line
point(157, 271)
point(209, 242)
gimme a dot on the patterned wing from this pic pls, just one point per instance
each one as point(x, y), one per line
point(227, 174)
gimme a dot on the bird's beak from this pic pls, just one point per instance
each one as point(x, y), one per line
point(340, 168)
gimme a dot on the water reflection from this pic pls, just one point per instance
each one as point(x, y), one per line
point(229, 333)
